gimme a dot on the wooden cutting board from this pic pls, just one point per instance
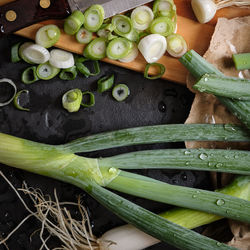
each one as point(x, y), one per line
point(197, 36)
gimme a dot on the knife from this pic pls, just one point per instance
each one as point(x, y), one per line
point(21, 13)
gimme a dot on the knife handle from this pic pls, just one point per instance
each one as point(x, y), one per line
point(22, 13)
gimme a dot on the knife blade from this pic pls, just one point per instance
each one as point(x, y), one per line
point(21, 13)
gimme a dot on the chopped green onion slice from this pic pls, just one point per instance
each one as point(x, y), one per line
point(176, 45)
point(94, 17)
point(83, 36)
point(242, 61)
point(48, 35)
point(10, 82)
point(122, 25)
point(72, 99)
point(120, 92)
point(29, 75)
point(165, 8)
point(142, 17)
point(46, 71)
point(105, 30)
point(111, 36)
point(68, 74)
point(85, 71)
point(61, 59)
point(118, 48)
point(163, 26)
point(91, 99)
point(131, 55)
point(17, 100)
point(96, 49)
point(73, 23)
point(152, 47)
point(161, 71)
point(22, 48)
point(105, 83)
point(133, 35)
point(15, 53)
point(35, 53)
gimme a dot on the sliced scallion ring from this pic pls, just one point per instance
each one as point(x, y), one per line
point(152, 47)
point(96, 49)
point(73, 22)
point(105, 30)
point(35, 53)
point(111, 36)
point(120, 92)
point(94, 17)
point(119, 48)
point(163, 26)
point(29, 75)
point(122, 25)
point(15, 53)
point(83, 36)
point(22, 48)
point(131, 55)
point(132, 36)
point(159, 75)
point(61, 59)
point(17, 100)
point(72, 99)
point(46, 71)
point(176, 45)
point(165, 8)
point(105, 83)
point(85, 71)
point(68, 74)
point(142, 17)
point(48, 35)
point(91, 99)
point(12, 84)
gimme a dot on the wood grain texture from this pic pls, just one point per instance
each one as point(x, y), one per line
point(197, 36)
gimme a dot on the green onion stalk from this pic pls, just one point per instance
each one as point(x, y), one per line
point(94, 175)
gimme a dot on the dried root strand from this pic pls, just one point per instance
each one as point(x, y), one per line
point(57, 220)
point(227, 3)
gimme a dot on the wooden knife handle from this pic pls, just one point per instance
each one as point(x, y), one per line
point(22, 13)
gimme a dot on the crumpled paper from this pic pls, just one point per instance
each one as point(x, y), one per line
point(230, 36)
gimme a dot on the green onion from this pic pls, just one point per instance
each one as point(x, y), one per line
point(193, 159)
point(96, 49)
point(119, 48)
point(133, 35)
point(163, 26)
point(74, 22)
point(17, 99)
point(165, 8)
point(198, 66)
point(105, 30)
point(15, 53)
point(86, 173)
point(85, 71)
point(231, 87)
point(46, 71)
point(176, 45)
point(159, 75)
point(61, 59)
point(159, 134)
point(131, 55)
point(91, 99)
point(94, 17)
point(142, 17)
point(111, 36)
point(48, 35)
point(122, 25)
point(68, 74)
point(22, 48)
point(83, 36)
point(120, 92)
point(29, 75)
point(72, 99)
point(13, 85)
point(242, 61)
point(105, 83)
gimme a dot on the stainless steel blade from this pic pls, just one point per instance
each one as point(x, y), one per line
point(111, 7)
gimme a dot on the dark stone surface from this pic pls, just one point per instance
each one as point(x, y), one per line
point(48, 122)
